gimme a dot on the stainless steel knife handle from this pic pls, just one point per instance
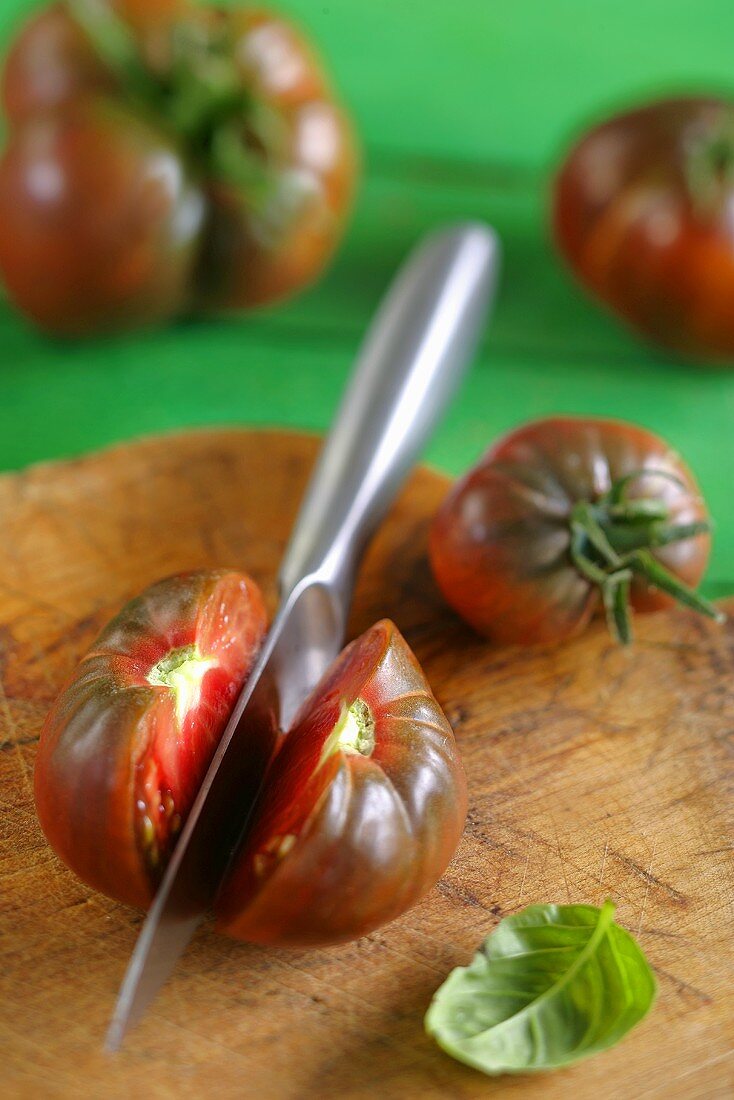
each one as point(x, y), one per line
point(415, 352)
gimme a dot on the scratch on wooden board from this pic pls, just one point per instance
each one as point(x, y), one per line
point(413, 959)
point(704, 1065)
point(684, 987)
point(652, 880)
point(524, 876)
point(422, 935)
point(648, 881)
point(379, 1029)
point(562, 861)
point(543, 842)
point(206, 1037)
point(664, 1089)
point(18, 742)
point(603, 861)
point(13, 729)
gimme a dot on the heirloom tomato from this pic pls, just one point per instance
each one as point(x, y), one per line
point(642, 211)
point(362, 808)
point(127, 743)
point(352, 816)
point(565, 517)
point(165, 157)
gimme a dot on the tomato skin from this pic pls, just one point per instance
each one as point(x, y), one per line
point(49, 64)
point(641, 212)
point(370, 834)
point(314, 147)
point(112, 736)
point(500, 543)
point(84, 263)
point(105, 220)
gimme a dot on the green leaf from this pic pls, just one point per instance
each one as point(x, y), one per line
point(550, 985)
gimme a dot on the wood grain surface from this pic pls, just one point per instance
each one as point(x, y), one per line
point(593, 773)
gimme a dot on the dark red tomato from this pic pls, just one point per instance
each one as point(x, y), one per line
point(564, 518)
point(165, 157)
point(642, 212)
point(127, 743)
point(105, 219)
point(362, 809)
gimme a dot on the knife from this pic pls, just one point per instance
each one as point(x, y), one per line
point(423, 337)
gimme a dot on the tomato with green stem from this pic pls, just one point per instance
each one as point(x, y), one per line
point(127, 743)
point(165, 158)
point(566, 517)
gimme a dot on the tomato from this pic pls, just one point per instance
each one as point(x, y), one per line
point(165, 158)
point(565, 517)
point(125, 747)
point(98, 241)
point(361, 811)
point(642, 213)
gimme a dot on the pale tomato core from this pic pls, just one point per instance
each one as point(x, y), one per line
point(182, 671)
point(353, 733)
point(182, 736)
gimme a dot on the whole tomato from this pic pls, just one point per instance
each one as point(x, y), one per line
point(163, 158)
point(361, 811)
point(564, 518)
point(126, 745)
point(642, 213)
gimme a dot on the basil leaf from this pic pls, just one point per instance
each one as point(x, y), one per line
point(550, 985)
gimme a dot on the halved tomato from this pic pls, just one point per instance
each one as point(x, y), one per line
point(361, 811)
point(127, 743)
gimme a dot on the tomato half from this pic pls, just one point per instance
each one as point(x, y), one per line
point(124, 750)
point(165, 158)
point(642, 212)
point(361, 811)
point(565, 517)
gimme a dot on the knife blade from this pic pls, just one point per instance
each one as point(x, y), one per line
point(417, 349)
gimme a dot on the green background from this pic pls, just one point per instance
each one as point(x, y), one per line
point(463, 108)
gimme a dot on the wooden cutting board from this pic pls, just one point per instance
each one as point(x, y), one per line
point(593, 773)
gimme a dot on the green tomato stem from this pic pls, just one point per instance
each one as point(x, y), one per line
point(611, 543)
point(200, 97)
point(115, 45)
point(643, 562)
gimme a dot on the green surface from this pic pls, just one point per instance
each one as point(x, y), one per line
point(463, 107)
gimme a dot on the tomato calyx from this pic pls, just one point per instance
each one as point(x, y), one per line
point(114, 44)
point(612, 541)
point(709, 164)
point(194, 86)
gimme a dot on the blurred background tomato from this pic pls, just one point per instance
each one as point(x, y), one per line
point(464, 110)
